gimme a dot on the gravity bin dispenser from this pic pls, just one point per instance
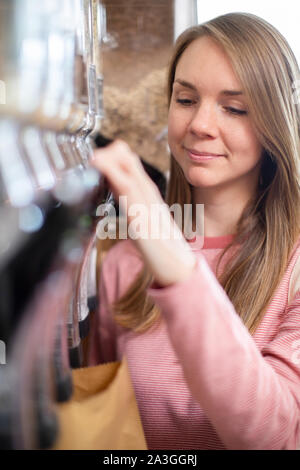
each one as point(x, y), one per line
point(50, 108)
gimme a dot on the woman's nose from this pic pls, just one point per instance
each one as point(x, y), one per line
point(204, 121)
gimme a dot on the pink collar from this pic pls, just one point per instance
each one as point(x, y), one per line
point(211, 242)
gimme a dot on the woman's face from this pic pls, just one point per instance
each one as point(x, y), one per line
point(209, 129)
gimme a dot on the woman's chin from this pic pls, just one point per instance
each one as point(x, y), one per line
point(201, 182)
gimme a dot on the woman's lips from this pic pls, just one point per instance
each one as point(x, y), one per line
point(202, 156)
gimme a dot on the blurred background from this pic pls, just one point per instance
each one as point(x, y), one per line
point(74, 75)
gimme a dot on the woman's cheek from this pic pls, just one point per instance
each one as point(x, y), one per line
point(171, 132)
point(175, 129)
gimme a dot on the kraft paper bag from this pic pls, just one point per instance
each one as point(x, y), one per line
point(102, 413)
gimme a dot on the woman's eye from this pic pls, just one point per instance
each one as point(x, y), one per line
point(184, 101)
point(239, 112)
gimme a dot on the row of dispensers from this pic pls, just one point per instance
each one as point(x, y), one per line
point(51, 109)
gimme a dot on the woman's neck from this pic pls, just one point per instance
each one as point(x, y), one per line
point(222, 210)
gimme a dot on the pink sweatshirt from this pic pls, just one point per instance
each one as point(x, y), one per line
point(201, 380)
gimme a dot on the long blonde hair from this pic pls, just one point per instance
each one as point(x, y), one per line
point(270, 224)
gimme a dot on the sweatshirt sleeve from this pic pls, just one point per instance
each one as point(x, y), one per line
point(251, 397)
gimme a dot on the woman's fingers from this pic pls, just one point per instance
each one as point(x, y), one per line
point(118, 154)
point(109, 162)
point(125, 173)
point(128, 178)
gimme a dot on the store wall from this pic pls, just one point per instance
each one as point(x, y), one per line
point(135, 59)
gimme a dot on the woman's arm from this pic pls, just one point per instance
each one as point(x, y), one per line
point(252, 398)
point(169, 259)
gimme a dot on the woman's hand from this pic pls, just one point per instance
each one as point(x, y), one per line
point(169, 257)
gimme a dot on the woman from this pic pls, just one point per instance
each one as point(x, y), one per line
point(213, 362)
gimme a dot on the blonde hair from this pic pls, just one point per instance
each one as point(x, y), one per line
point(269, 225)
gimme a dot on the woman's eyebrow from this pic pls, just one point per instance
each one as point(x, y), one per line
point(185, 84)
point(223, 92)
point(231, 92)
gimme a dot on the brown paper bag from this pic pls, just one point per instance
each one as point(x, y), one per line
point(102, 413)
